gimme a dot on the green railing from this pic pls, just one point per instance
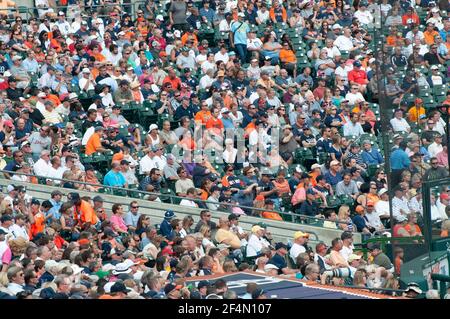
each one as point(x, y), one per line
point(170, 198)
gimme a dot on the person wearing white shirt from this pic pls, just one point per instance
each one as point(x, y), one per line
point(382, 207)
point(207, 80)
point(354, 96)
point(372, 217)
point(436, 213)
point(347, 245)
point(224, 25)
point(147, 163)
point(56, 170)
point(222, 55)
point(262, 15)
point(331, 49)
point(300, 239)
point(415, 203)
point(202, 56)
point(209, 64)
point(86, 83)
point(255, 245)
point(400, 208)
point(399, 124)
point(62, 24)
point(188, 202)
point(363, 15)
point(43, 7)
point(353, 128)
point(42, 166)
point(18, 229)
point(253, 43)
point(435, 147)
point(344, 42)
point(159, 159)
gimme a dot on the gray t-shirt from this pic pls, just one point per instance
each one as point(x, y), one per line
point(178, 9)
point(39, 143)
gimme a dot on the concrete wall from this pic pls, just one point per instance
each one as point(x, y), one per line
point(281, 230)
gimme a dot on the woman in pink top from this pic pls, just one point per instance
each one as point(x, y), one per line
point(442, 156)
point(116, 219)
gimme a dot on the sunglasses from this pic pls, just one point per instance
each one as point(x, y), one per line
point(134, 206)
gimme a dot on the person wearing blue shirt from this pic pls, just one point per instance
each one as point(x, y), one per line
point(226, 120)
point(279, 260)
point(55, 200)
point(399, 162)
point(333, 176)
point(207, 12)
point(240, 29)
point(371, 155)
point(114, 177)
point(165, 228)
point(324, 143)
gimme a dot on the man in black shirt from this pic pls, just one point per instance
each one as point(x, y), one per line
point(183, 110)
point(398, 59)
point(310, 207)
point(432, 57)
point(14, 93)
point(90, 121)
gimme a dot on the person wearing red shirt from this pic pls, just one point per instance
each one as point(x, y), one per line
point(358, 76)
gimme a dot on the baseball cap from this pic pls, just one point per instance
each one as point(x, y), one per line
point(256, 228)
point(11, 188)
point(169, 287)
point(119, 287)
point(333, 163)
point(336, 26)
point(299, 234)
point(357, 63)
point(434, 67)
point(353, 257)
point(8, 123)
point(382, 191)
point(233, 217)
point(314, 166)
point(370, 203)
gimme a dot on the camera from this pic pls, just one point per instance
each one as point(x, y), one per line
point(338, 273)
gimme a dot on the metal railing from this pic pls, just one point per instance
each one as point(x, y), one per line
point(121, 191)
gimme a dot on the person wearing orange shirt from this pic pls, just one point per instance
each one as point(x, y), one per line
point(277, 13)
point(288, 59)
point(214, 123)
point(204, 114)
point(38, 222)
point(269, 214)
point(410, 17)
point(429, 34)
point(94, 142)
point(189, 35)
point(172, 79)
point(83, 211)
point(416, 111)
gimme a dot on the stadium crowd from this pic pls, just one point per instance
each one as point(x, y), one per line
point(269, 106)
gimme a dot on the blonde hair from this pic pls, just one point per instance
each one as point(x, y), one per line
point(344, 209)
point(204, 230)
point(18, 245)
point(4, 281)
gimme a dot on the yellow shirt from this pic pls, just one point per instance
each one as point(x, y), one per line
point(229, 238)
point(413, 113)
